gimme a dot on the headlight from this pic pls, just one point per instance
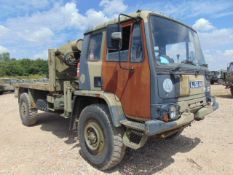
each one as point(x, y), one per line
point(169, 112)
point(172, 112)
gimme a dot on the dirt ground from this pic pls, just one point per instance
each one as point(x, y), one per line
point(204, 148)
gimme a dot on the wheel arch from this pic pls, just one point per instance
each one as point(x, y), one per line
point(85, 98)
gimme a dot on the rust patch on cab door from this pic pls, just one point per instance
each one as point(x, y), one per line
point(131, 87)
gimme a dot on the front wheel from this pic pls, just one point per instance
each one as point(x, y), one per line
point(101, 143)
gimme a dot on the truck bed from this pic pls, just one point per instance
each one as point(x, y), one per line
point(37, 85)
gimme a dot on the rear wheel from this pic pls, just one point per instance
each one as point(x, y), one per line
point(27, 114)
point(101, 143)
point(232, 91)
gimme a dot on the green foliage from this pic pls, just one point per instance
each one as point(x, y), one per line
point(5, 56)
point(22, 67)
point(29, 77)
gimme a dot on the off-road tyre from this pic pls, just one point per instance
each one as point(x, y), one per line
point(27, 114)
point(111, 150)
point(1, 92)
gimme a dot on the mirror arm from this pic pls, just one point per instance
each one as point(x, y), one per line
point(122, 14)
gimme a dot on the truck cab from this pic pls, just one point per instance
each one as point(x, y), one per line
point(158, 73)
point(141, 75)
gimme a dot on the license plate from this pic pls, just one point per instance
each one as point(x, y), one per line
point(196, 84)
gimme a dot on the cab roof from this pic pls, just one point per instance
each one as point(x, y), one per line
point(144, 14)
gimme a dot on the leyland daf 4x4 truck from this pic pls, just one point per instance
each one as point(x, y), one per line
point(137, 76)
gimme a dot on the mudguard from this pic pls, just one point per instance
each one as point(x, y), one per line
point(113, 102)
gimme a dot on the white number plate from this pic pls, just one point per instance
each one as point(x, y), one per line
point(196, 84)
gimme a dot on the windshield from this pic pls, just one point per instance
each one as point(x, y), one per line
point(175, 43)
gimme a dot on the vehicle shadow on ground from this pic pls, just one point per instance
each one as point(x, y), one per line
point(155, 155)
point(56, 125)
point(224, 96)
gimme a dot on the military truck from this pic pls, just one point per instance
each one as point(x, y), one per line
point(229, 77)
point(222, 76)
point(6, 85)
point(214, 77)
point(140, 75)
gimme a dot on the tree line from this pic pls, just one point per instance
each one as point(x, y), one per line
point(22, 67)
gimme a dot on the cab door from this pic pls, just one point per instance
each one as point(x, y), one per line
point(129, 77)
point(91, 61)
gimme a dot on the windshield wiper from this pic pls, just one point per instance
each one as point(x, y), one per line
point(188, 62)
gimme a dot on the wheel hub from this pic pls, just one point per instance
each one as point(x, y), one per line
point(94, 137)
point(23, 109)
point(91, 136)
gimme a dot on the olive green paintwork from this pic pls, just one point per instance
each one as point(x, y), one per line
point(59, 72)
point(112, 101)
point(68, 90)
point(95, 67)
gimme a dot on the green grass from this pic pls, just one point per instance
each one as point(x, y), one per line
point(30, 77)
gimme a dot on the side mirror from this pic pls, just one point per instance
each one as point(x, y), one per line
point(114, 37)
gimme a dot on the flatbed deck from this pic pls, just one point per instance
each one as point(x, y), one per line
point(37, 86)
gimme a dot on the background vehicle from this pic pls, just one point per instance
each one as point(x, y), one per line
point(6, 85)
point(141, 75)
point(214, 77)
point(229, 77)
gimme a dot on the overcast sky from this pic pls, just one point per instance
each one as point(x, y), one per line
point(29, 27)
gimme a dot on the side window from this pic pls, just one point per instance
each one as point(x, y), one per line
point(136, 48)
point(113, 54)
point(94, 50)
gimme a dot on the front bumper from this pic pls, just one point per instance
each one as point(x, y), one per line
point(154, 127)
point(201, 113)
